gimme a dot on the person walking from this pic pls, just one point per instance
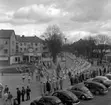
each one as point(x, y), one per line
point(10, 98)
point(29, 79)
point(23, 77)
point(23, 93)
point(28, 90)
point(18, 96)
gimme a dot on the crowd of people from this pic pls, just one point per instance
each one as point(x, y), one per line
point(83, 76)
point(21, 95)
point(50, 84)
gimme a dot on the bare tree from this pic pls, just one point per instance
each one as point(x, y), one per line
point(54, 39)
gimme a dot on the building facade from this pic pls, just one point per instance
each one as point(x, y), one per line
point(7, 45)
point(30, 47)
point(21, 49)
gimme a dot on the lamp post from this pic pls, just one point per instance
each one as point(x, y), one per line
point(65, 55)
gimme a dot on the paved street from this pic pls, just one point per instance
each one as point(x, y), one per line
point(14, 80)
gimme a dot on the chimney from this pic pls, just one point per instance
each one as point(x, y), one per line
point(22, 36)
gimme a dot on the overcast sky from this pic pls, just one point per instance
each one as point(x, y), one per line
point(76, 18)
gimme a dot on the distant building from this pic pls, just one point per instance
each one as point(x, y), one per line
point(18, 49)
point(7, 45)
point(30, 47)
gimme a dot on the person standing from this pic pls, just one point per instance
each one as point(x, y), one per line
point(5, 98)
point(28, 90)
point(18, 96)
point(10, 98)
point(48, 86)
point(6, 90)
point(23, 93)
point(61, 82)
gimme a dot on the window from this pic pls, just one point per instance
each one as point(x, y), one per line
point(20, 49)
point(36, 44)
point(20, 44)
point(15, 59)
point(12, 42)
point(12, 50)
point(24, 44)
point(36, 49)
point(5, 51)
point(6, 42)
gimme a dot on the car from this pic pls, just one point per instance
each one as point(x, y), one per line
point(96, 87)
point(81, 91)
point(47, 100)
point(108, 76)
point(104, 80)
point(67, 97)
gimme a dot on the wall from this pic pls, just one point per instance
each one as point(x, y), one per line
point(5, 46)
point(12, 44)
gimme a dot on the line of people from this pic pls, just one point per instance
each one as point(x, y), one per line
point(22, 95)
point(83, 76)
point(51, 85)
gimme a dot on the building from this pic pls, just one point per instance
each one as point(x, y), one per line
point(31, 48)
point(7, 46)
point(21, 49)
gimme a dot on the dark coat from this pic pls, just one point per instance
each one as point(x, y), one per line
point(48, 86)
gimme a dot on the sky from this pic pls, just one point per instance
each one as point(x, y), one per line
point(76, 18)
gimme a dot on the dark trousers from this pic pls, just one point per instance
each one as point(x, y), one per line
point(28, 96)
point(18, 99)
point(22, 97)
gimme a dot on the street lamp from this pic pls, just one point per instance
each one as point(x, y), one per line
point(65, 55)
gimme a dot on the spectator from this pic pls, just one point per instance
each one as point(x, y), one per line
point(18, 96)
point(61, 82)
point(10, 98)
point(6, 90)
point(28, 90)
point(48, 87)
point(5, 98)
point(23, 93)
point(72, 80)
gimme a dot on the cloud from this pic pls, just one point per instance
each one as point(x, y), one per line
point(40, 13)
point(88, 10)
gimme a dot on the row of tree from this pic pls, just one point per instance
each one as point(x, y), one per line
point(89, 47)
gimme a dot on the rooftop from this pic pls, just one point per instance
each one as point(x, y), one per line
point(32, 39)
point(6, 33)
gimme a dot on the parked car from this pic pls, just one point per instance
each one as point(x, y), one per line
point(67, 97)
point(104, 80)
point(95, 87)
point(47, 100)
point(81, 91)
point(108, 76)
